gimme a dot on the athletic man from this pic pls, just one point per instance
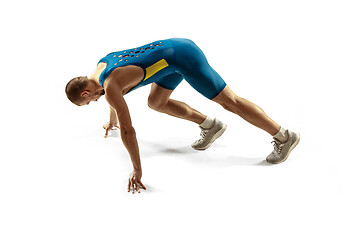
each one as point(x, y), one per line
point(165, 64)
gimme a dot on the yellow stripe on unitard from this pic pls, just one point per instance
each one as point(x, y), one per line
point(151, 70)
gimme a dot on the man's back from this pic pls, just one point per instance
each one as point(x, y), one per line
point(151, 58)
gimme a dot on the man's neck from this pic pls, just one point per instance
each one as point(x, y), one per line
point(95, 76)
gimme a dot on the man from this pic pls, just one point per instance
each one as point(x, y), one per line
point(165, 64)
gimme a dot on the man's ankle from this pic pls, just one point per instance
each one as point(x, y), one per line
point(282, 135)
point(207, 123)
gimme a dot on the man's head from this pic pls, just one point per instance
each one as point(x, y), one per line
point(82, 90)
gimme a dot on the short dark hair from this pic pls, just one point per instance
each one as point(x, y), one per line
point(74, 88)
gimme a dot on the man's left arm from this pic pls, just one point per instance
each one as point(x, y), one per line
point(128, 136)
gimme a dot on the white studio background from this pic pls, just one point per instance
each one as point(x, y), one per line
point(298, 60)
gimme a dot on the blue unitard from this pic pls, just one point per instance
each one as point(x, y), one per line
point(167, 63)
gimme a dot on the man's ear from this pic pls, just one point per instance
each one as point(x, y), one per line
point(84, 93)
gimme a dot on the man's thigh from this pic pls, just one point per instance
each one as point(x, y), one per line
point(170, 82)
point(206, 81)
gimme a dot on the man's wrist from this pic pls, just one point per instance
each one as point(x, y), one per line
point(113, 122)
point(137, 168)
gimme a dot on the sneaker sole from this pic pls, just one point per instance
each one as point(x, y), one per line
point(216, 136)
point(291, 148)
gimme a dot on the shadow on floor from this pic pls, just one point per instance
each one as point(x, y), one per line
point(151, 149)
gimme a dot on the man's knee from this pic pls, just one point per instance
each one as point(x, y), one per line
point(156, 103)
point(229, 100)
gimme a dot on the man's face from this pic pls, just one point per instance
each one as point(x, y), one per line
point(87, 99)
point(91, 93)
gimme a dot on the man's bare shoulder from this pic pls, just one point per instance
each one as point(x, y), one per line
point(111, 86)
point(130, 71)
point(124, 77)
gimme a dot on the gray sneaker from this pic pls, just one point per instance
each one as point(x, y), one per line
point(282, 150)
point(208, 136)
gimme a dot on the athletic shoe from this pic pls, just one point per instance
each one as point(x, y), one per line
point(208, 136)
point(283, 149)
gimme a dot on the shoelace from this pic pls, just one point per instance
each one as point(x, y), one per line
point(203, 134)
point(277, 146)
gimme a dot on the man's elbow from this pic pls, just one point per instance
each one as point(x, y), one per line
point(127, 131)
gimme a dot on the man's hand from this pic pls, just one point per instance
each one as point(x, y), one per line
point(134, 181)
point(109, 126)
